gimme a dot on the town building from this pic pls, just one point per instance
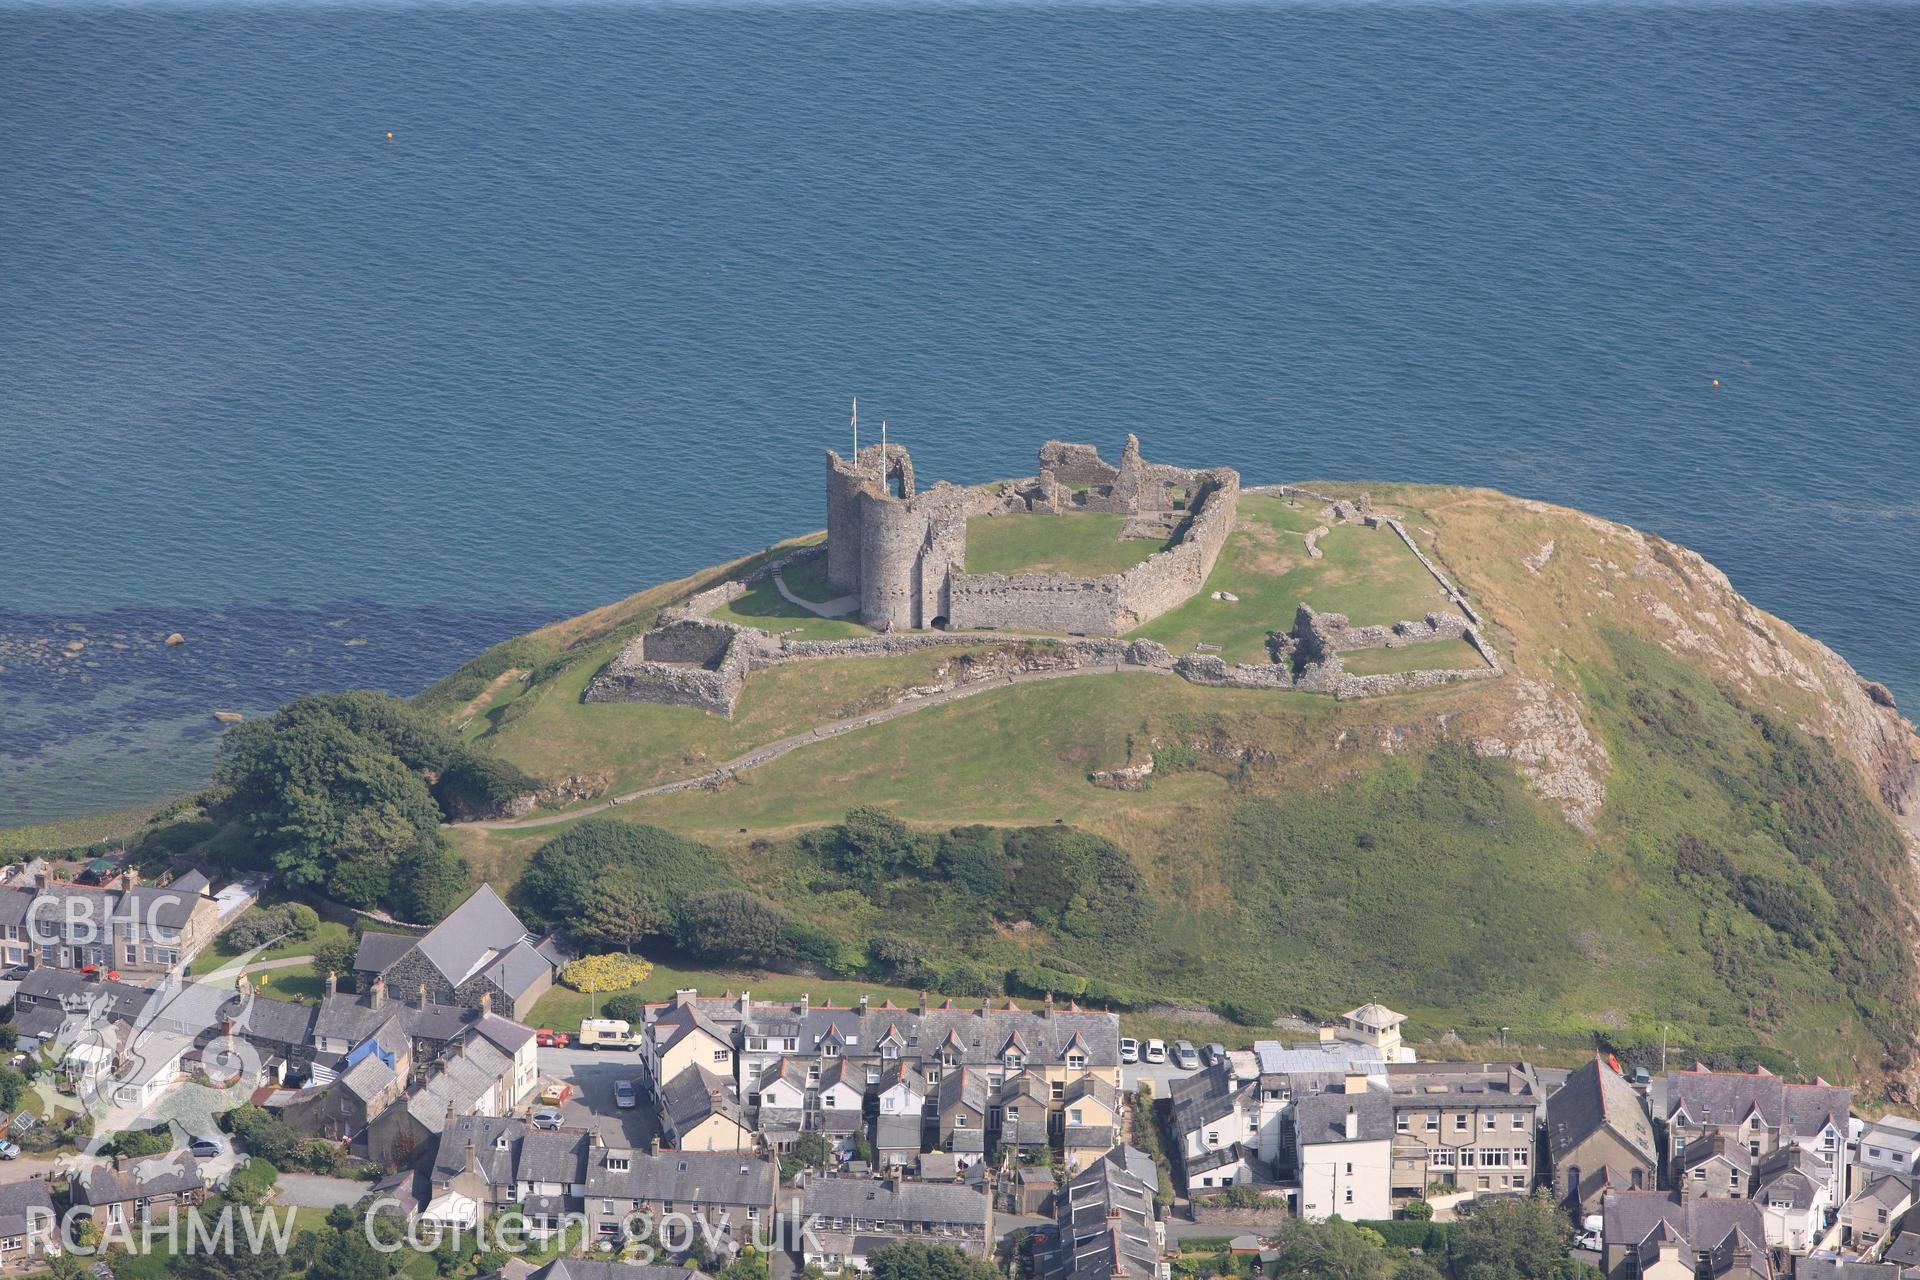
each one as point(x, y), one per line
point(1345, 1147)
point(481, 950)
point(1468, 1125)
point(1665, 1236)
point(1107, 1223)
point(853, 1218)
point(1599, 1138)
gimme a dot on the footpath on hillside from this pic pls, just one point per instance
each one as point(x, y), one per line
point(774, 750)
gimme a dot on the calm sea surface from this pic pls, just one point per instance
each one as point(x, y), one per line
point(344, 410)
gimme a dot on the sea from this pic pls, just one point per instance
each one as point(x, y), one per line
point(346, 339)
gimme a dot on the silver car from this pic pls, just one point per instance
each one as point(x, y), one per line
point(625, 1096)
point(547, 1118)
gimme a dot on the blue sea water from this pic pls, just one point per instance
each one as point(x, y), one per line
point(345, 409)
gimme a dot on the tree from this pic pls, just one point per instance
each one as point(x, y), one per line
point(733, 925)
point(618, 915)
point(12, 1086)
point(812, 1150)
point(1418, 1269)
point(870, 845)
point(1331, 1250)
point(919, 1260)
point(568, 873)
point(750, 1265)
point(336, 958)
point(1523, 1239)
point(623, 1007)
point(344, 1254)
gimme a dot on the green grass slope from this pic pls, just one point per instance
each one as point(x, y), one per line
point(1674, 816)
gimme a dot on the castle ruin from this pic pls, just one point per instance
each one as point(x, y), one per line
point(902, 553)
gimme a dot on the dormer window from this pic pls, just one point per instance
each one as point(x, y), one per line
point(618, 1164)
point(1013, 1060)
point(832, 1049)
point(1077, 1060)
point(949, 1059)
point(890, 1052)
point(501, 1143)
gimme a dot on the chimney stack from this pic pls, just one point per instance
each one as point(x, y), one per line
point(1046, 1009)
point(986, 1005)
point(486, 1002)
point(806, 998)
point(863, 1002)
point(1353, 1123)
point(423, 995)
point(333, 982)
point(377, 993)
point(653, 1147)
point(923, 1004)
point(1354, 1082)
point(746, 1003)
point(684, 996)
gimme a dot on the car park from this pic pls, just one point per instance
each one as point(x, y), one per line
point(1129, 1049)
point(625, 1096)
point(1185, 1056)
point(1213, 1053)
point(1156, 1051)
point(546, 1118)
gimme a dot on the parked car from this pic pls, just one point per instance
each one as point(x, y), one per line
point(1129, 1049)
point(607, 1033)
point(9, 1150)
point(1213, 1053)
point(206, 1148)
point(546, 1118)
point(625, 1096)
point(556, 1093)
point(1156, 1051)
point(548, 1038)
point(1185, 1056)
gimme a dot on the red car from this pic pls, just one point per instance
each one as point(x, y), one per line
point(550, 1039)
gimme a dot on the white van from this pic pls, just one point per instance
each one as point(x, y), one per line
point(607, 1033)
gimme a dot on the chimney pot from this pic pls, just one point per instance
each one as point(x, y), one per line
point(423, 995)
point(333, 982)
point(986, 1004)
point(863, 1002)
point(377, 993)
point(654, 1146)
point(923, 1002)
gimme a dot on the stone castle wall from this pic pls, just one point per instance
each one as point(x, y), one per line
point(690, 662)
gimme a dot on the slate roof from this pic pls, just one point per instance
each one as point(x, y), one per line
point(601, 1269)
point(896, 1133)
point(378, 951)
point(963, 1088)
point(473, 935)
point(978, 1038)
point(22, 1202)
point(14, 904)
point(170, 1174)
point(1596, 1097)
point(936, 1202)
point(1323, 1118)
point(1905, 1250)
point(695, 1094)
point(461, 1080)
point(1790, 1174)
point(281, 1021)
point(1727, 1098)
point(1105, 1222)
point(1717, 1147)
point(1207, 1161)
point(1700, 1222)
point(683, 1177)
point(483, 1134)
point(547, 1155)
point(1204, 1098)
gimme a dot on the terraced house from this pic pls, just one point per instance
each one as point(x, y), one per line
point(733, 1193)
point(1600, 1138)
point(850, 1219)
point(137, 930)
point(1106, 1224)
point(1759, 1113)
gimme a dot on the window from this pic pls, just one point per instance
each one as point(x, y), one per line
point(1014, 1061)
point(1213, 1137)
point(1490, 1119)
point(1349, 1195)
point(1433, 1121)
point(889, 1051)
point(606, 1206)
point(1460, 1123)
point(933, 1075)
point(1401, 1123)
point(960, 1120)
point(756, 1042)
point(1077, 1061)
point(1059, 1090)
point(1349, 1168)
point(1519, 1120)
point(1073, 1116)
point(832, 1049)
point(721, 1055)
point(1520, 1158)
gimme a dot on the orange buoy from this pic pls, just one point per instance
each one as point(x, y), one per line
point(389, 135)
point(1716, 382)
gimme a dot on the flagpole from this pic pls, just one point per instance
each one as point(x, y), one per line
point(856, 435)
point(883, 455)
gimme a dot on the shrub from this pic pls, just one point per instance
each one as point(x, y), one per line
point(611, 972)
point(290, 922)
point(734, 925)
point(1248, 1013)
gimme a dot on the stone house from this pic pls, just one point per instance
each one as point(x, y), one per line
point(1665, 1236)
point(27, 1222)
point(1082, 1144)
point(1599, 1138)
point(699, 1112)
point(1474, 1126)
point(1107, 1225)
point(852, 1218)
point(1760, 1112)
point(902, 1092)
point(897, 1140)
point(141, 931)
point(1017, 1114)
point(1345, 1143)
point(135, 1191)
point(1874, 1211)
point(1718, 1165)
point(480, 950)
point(601, 1269)
point(734, 1194)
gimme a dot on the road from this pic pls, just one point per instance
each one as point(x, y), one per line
point(773, 750)
point(593, 1076)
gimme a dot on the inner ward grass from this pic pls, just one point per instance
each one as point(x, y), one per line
point(1087, 543)
point(1367, 574)
point(1436, 655)
point(763, 606)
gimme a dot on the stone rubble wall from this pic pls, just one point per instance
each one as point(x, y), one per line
point(647, 670)
point(1076, 464)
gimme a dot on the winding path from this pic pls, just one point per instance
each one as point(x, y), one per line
point(838, 607)
point(820, 733)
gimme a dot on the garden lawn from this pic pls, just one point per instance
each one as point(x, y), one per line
point(1083, 543)
point(1367, 574)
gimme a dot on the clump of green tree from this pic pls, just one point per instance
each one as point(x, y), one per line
point(286, 922)
point(918, 1260)
point(343, 795)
